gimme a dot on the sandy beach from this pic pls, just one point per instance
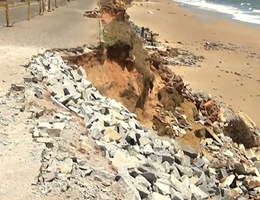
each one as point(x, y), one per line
point(229, 75)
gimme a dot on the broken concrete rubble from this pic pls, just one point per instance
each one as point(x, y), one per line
point(149, 167)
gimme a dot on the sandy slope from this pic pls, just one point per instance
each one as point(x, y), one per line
point(231, 76)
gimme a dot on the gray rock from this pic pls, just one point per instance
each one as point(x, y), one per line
point(96, 134)
point(198, 192)
point(147, 149)
point(49, 177)
point(223, 173)
point(142, 186)
point(44, 125)
point(199, 162)
point(175, 195)
point(184, 170)
point(157, 196)
point(162, 188)
point(103, 174)
point(167, 167)
point(175, 172)
point(149, 177)
point(183, 187)
point(141, 180)
point(82, 72)
point(144, 140)
point(127, 182)
point(65, 99)
point(168, 158)
point(86, 94)
point(189, 151)
point(53, 132)
point(131, 138)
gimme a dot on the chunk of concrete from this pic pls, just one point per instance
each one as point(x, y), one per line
point(189, 151)
point(157, 196)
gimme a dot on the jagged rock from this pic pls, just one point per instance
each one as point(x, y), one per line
point(183, 187)
point(229, 180)
point(189, 151)
point(142, 186)
point(157, 196)
point(126, 181)
point(121, 159)
point(161, 188)
point(252, 182)
point(198, 192)
point(149, 177)
point(66, 166)
point(112, 135)
point(175, 195)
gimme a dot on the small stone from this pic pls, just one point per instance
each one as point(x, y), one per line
point(44, 140)
point(175, 195)
point(198, 192)
point(66, 166)
point(252, 182)
point(148, 149)
point(184, 170)
point(121, 159)
point(44, 125)
point(189, 151)
point(199, 162)
point(166, 144)
point(53, 132)
point(96, 134)
point(228, 153)
point(49, 177)
point(229, 180)
point(235, 193)
point(112, 134)
point(223, 174)
point(18, 87)
point(250, 155)
point(163, 189)
point(149, 177)
point(85, 146)
point(168, 158)
point(142, 184)
point(131, 137)
point(103, 174)
point(183, 187)
point(157, 196)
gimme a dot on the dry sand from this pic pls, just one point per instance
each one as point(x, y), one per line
point(230, 76)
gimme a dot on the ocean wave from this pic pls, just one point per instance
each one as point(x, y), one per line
point(256, 11)
point(242, 4)
point(236, 13)
point(247, 18)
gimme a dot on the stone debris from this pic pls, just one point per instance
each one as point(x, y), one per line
point(141, 166)
point(92, 14)
point(165, 55)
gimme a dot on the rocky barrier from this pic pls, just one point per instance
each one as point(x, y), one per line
point(141, 165)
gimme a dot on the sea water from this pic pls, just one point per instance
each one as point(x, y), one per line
point(243, 10)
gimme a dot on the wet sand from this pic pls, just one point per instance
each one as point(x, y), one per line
point(231, 76)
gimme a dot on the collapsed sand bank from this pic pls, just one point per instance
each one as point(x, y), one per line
point(230, 74)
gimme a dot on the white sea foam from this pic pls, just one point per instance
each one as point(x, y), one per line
point(236, 13)
point(256, 11)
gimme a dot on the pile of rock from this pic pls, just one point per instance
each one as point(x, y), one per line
point(168, 55)
point(220, 46)
point(146, 167)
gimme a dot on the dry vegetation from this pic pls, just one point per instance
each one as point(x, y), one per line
point(240, 132)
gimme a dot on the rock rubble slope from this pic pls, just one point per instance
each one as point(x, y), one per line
point(134, 162)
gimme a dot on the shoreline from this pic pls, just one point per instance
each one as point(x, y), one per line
point(228, 75)
point(230, 13)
